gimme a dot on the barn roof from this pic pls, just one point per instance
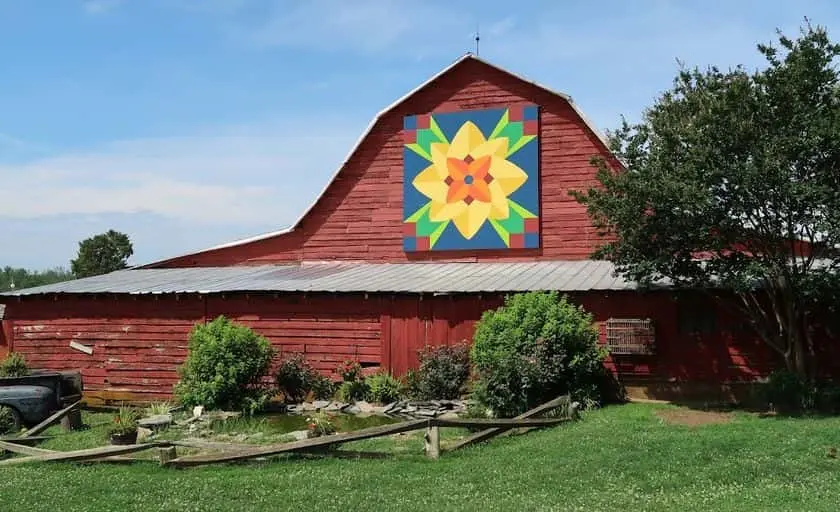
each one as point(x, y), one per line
point(566, 276)
point(467, 57)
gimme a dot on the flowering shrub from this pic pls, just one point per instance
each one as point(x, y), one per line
point(350, 371)
point(296, 378)
point(442, 374)
point(320, 424)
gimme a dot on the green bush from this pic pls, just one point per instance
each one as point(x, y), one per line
point(225, 367)
point(442, 374)
point(535, 348)
point(296, 379)
point(787, 392)
point(383, 388)
point(14, 366)
point(353, 391)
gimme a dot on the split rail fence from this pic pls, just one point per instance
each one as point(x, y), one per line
point(230, 452)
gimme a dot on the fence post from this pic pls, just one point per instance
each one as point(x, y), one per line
point(167, 454)
point(431, 442)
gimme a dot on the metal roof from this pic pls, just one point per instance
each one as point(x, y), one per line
point(564, 276)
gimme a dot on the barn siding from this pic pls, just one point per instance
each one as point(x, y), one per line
point(359, 216)
point(139, 342)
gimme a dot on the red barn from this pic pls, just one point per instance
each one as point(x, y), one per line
point(455, 195)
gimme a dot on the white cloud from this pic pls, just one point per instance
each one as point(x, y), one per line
point(239, 176)
point(100, 6)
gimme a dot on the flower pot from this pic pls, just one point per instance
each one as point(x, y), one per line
point(123, 439)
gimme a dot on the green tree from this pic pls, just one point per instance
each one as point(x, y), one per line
point(102, 254)
point(738, 167)
point(19, 278)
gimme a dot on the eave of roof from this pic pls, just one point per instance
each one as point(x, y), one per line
point(469, 56)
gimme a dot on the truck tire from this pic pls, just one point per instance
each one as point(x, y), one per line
point(9, 420)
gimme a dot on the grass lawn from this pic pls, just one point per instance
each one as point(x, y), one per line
point(622, 457)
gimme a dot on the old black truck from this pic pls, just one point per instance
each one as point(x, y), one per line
point(28, 400)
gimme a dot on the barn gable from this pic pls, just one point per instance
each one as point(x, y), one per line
point(360, 215)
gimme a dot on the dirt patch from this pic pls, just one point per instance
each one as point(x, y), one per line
point(693, 418)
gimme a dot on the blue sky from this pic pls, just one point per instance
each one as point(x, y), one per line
point(188, 123)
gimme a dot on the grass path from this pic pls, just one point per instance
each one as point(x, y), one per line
point(622, 457)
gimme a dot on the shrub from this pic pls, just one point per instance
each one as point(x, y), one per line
point(349, 371)
point(787, 392)
point(295, 378)
point(383, 388)
point(14, 366)
point(225, 367)
point(535, 348)
point(353, 391)
point(442, 373)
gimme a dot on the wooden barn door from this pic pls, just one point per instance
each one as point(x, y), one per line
point(414, 323)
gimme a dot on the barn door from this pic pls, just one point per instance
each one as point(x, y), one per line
point(415, 323)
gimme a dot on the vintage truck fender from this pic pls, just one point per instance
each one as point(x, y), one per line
point(33, 403)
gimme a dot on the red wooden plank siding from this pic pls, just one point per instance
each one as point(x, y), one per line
point(6, 331)
point(359, 216)
point(328, 330)
point(139, 343)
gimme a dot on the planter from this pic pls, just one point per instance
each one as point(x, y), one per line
point(124, 439)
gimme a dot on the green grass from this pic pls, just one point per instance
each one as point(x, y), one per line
point(621, 457)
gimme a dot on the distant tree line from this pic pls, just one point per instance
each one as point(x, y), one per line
point(97, 255)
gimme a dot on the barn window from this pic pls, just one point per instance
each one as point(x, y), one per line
point(630, 336)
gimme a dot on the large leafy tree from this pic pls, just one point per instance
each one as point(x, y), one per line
point(101, 254)
point(732, 181)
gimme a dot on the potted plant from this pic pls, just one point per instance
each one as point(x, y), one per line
point(124, 430)
point(319, 425)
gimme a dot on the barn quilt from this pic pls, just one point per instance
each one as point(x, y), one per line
point(471, 180)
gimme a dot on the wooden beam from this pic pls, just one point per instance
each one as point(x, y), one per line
point(493, 432)
point(498, 423)
point(29, 441)
point(22, 449)
point(82, 455)
point(211, 445)
point(44, 425)
point(307, 444)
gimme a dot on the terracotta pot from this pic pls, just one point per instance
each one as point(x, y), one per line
point(123, 439)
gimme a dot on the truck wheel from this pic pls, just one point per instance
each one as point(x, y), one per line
point(9, 420)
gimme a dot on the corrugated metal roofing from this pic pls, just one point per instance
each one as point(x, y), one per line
point(352, 277)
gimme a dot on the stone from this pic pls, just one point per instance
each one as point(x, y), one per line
point(378, 410)
point(293, 409)
point(307, 406)
point(197, 410)
point(449, 415)
point(335, 406)
point(298, 435)
point(409, 409)
point(365, 407)
point(391, 408)
point(321, 404)
point(428, 413)
point(156, 422)
point(143, 434)
point(351, 409)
